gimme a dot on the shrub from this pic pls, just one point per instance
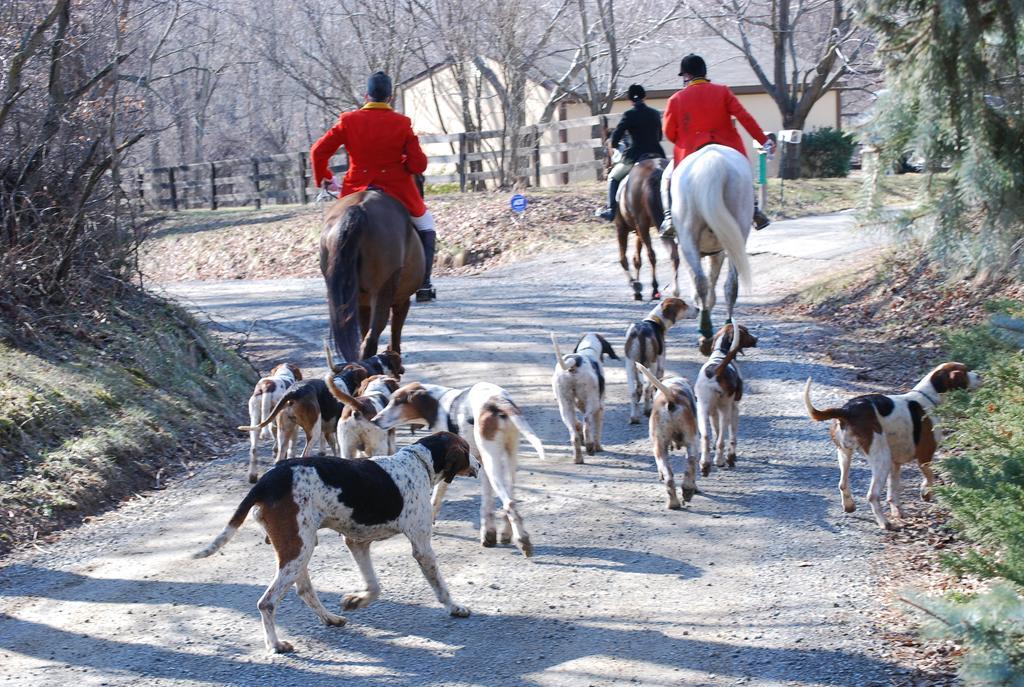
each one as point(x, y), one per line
point(826, 153)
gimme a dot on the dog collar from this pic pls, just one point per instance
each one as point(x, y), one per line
point(933, 401)
point(656, 320)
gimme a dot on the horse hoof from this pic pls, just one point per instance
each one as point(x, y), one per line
point(638, 297)
point(704, 343)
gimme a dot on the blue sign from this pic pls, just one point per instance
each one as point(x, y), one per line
point(518, 202)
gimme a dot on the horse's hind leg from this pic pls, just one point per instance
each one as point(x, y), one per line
point(638, 262)
point(380, 309)
point(399, 311)
point(622, 232)
point(691, 251)
point(646, 234)
point(732, 292)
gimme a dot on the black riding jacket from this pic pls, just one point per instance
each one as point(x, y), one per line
point(644, 126)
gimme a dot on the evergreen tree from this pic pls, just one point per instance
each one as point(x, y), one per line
point(956, 96)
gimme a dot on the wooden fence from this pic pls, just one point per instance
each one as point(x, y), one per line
point(544, 155)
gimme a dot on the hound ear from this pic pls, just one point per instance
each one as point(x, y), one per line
point(606, 348)
point(296, 372)
point(457, 458)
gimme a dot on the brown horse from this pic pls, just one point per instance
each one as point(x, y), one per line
point(372, 259)
point(640, 210)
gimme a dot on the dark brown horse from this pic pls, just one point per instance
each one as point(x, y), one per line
point(372, 260)
point(639, 211)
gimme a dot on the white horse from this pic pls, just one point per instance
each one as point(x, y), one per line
point(712, 209)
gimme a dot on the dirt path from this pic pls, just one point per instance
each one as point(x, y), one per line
point(762, 581)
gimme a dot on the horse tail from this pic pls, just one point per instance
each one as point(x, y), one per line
point(708, 198)
point(342, 278)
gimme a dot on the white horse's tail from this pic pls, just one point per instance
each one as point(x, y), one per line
point(707, 196)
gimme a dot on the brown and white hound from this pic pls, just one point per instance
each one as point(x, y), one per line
point(719, 389)
point(365, 501)
point(310, 405)
point(265, 395)
point(891, 430)
point(645, 344)
point(358, 436)
point(486, 417)
point(673, 424)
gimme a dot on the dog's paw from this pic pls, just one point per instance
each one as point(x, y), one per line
point(731, 460)
point(506, 536)
point(674, 504)
point(332, 620)
point(688, 493)
point(892, 527)
point(634, 421)
point(458, 611)
point(849, 506)
point(525, 546)
point(351, 602)
point(591, 449)
point(488, 538)
point(282, 647)
point(578, 459)
point(253, 478)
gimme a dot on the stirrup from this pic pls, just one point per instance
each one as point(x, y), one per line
point(608, 214)
point(425, 294)
point(667, 231)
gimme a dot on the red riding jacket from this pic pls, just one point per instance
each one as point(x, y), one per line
point(701, 113)
point(382, 150)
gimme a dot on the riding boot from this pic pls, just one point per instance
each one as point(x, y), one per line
point(428, 237)
point(612, 210)
point(760, 219)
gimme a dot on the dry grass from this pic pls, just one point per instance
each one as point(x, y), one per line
point(475, 230)
point(98, 409)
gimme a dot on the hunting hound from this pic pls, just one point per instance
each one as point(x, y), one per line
point(891, 430)
point(719, 389)
point(673, 424)
point(645, 344)
point(267, 392)
point(365, 501)
point(578, 383)
point(486, 417)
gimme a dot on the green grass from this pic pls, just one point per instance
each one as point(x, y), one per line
point(90, 413)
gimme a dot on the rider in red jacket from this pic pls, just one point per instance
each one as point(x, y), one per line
point(384, 153)
point(700, 114)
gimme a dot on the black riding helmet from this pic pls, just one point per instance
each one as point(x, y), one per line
point(378, 86)
point(636, 92)
point(694, 66)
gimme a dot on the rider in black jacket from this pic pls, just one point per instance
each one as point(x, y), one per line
point(643, 124)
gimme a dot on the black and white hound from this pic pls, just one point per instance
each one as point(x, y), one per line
point(365, 501)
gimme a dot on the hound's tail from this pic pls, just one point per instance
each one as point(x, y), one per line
point(819, 415)
point(505, 406)
point(707, 196)
point(250, 500)
point(265, 410)
point(561, 359)
point(734, 350)
point(658, 384)
point(339, 393)
point(285, 401)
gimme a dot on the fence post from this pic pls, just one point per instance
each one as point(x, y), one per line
point(536, 155)
point(140, 179)
point(462, 162)
point(303, 195)
point(213, 186)
point(174, 191)
point(603, 135)
point(256, 182)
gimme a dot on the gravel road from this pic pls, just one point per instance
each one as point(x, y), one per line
point(761, 581)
